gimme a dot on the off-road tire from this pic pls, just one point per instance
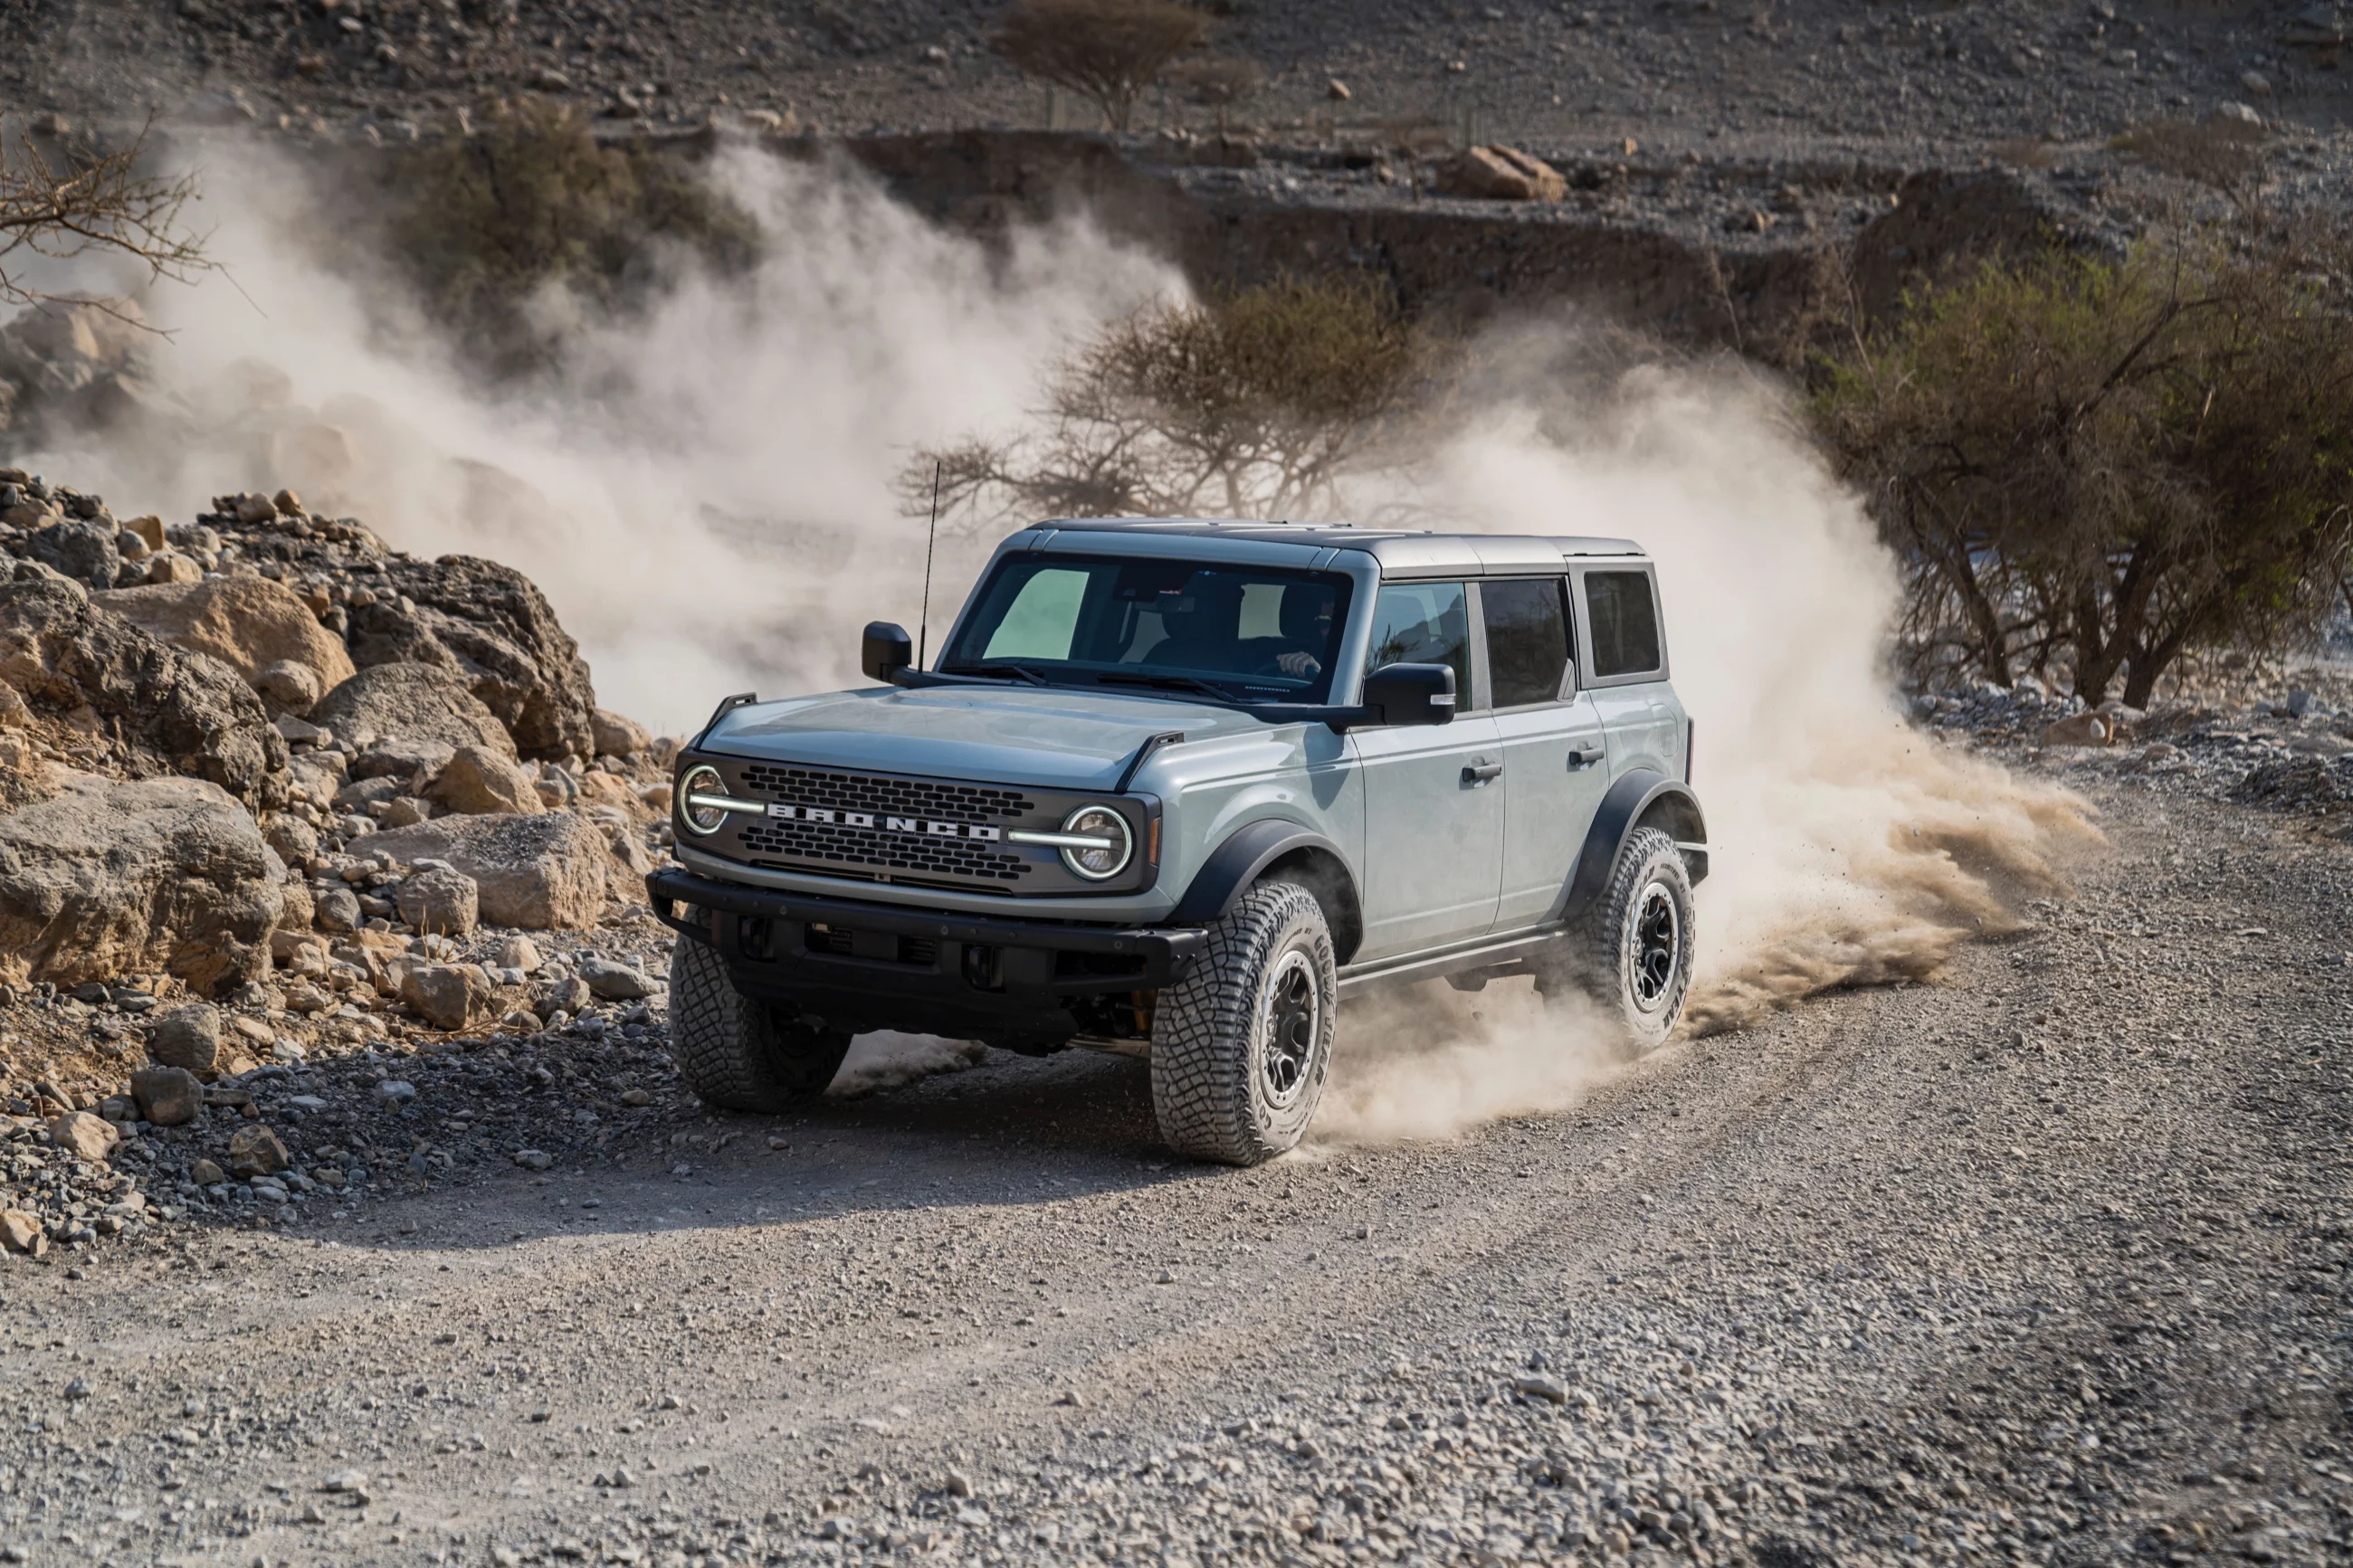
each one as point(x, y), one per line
point(1225, 1043)
point(735, 1053)
point(1632, 951)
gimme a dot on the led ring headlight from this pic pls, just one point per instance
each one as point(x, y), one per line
point(1110, 843)
point(703, 803)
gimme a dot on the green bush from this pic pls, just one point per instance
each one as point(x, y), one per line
point(2096, 466)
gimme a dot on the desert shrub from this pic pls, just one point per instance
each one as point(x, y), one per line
point(1110, 50)
point(2223, 155)
point(1253, 402)
point(87, 202)
point(2100, 464)
point(530, 200)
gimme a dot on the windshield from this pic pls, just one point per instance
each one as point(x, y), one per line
point(1243, 634)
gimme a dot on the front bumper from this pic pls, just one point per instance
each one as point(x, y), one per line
point(862, 967)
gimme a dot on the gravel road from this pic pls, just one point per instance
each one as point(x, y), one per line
point(2045, 1263)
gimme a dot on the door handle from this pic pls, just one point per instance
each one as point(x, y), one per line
point(1584, 756)
point(1480, 772)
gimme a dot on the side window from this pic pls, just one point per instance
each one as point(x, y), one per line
point(1423, 622)
point(1528, 639)
point(1625, 622)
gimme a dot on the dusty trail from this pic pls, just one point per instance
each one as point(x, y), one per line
point(2047, 1263)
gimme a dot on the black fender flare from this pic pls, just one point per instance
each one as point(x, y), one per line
point(1638, 794)
point(1245, 853)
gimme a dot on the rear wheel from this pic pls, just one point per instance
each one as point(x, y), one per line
point(738, 1054)
point(1240, 1046)
point(1633, 950)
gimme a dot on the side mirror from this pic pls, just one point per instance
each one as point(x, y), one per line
point(886, 649)
point(1411, 693)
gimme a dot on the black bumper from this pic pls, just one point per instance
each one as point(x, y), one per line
point(864, 966)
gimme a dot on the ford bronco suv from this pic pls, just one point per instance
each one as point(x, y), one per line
point(1178, 787)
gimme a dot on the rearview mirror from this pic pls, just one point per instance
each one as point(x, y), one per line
point(886, 649)
point(1411, 693)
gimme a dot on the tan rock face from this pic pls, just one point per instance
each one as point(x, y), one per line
point(247, 623)
point(108, 878)
point(83, 1135)
point(478, 781)
point(551, 871)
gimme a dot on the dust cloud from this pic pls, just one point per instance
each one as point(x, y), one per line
point(704, 491)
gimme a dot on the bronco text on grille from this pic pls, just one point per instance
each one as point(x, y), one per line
point(891, 826)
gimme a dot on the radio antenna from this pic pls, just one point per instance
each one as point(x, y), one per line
point(930, 535)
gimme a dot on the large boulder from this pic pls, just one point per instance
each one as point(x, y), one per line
point(488, 622)
point(477, 781)
point(187, 712)
point(84, 551)
point(411, 707)
point(108, 878)
point(551, 871)
point(247, 623)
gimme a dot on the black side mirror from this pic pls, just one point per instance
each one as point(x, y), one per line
point(1411, 693)
point(886, 649)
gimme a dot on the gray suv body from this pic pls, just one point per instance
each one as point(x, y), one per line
point(1180, 787)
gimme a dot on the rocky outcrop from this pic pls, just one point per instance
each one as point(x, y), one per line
point(173, 711)
point(409, 708)
point(110, 878)
point(551, 871)
point(248, 623)
point(488, 623)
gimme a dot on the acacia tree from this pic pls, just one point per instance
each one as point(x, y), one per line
point(1252, 402)
point(2106, 464)
point(1111, 50)
point(88, 203)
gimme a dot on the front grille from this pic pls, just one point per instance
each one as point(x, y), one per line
point(907, 797)
point(919, 855)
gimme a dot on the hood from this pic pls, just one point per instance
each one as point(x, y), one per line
point(1047, 738)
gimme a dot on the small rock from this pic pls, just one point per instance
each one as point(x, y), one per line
point(187, 1037)
point(449, 996)
point(2256, 83)
point(635, 1097)
point(478, 781)
point(21, 1232)
point(345, 1481)
point(519, 952)
point(396, 1092)
point(287, 686)
point(439, 902)
point(2090, 729)
point(1337, 91)
point(86, 1136)
point(205, 1173)
point(616, 982)
point(1542, 1385)
point(616, 736)
point(534, 1159)
point(167, 1096)
point(77, 1389)
point(2299, 703)
point(1502, 173)
point(255, 1150)
point(338, 910)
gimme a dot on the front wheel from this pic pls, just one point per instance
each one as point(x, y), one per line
point(1240, 1046)
point(1635, 944)
point(738, 1054)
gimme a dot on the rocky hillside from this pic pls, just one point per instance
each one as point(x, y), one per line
point(277, 801)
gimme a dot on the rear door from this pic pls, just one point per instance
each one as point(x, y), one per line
point(1433, 799)
point(1626, 668)
point(1555, 767)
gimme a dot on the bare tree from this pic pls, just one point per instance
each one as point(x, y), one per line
point(1256, 401)
point(1219, 82)
point(1111, 50)
point(91, 203)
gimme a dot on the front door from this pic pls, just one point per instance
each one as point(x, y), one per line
point(1433, 794)
point(1555, 765)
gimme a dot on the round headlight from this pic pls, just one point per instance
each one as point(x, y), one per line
point(1099, 821)
point(701, 818)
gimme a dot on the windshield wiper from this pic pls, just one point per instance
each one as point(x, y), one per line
point(999, 666)
point(1169, 682)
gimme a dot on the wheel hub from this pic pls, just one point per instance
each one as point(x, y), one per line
point(1658, 946)
point(1291, 1022)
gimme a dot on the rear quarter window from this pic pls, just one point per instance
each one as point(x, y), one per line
point(1625, 619)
